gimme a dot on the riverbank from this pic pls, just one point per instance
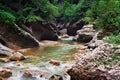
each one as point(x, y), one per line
point(100, 63)
point(66, 57)
point(52, 59)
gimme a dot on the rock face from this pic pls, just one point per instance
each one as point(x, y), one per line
point(87, 68)
point(71, 30)
point(43, 32)
point(5, 51)
point(14, 35)
point(94, 73)
point(7, 54)
point(103, 51)
point(86, 34)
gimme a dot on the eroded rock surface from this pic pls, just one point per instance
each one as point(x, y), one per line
point(87, 67)
point(43, 32)
point(5, 51)
point(14, 35)
point(7, 54)
point(72, 29)
point(86, 34)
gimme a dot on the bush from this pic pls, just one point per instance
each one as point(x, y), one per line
point(113, 38)
point(7, 18)
point(33, 18)
point(105, 13)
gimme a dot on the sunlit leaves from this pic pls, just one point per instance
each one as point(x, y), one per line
point(7, 18)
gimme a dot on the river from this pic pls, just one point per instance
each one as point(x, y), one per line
point(37, 65)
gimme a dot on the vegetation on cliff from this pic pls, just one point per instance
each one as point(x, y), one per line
point(104, 14)
point(23, 23)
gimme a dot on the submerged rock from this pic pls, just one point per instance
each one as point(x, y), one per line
point(35, 73)
point(54, 62)
point(27, 74)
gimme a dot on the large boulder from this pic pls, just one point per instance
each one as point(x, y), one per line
point(94, 44)
point(86, 34)
point(7, 54)
point(87, 67)
point(5, 51)
point(72, 29)
point(13, 35)
point(43, 31)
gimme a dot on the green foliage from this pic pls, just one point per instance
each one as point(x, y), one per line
point(113, 38)
point(33, 10)
point(71, 12)
point(46, 10)
point(105, 13)
point(7, 18)
point(30, 17)
point(7, 9)
point(33, 18)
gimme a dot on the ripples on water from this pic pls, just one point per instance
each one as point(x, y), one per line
point(39, 60)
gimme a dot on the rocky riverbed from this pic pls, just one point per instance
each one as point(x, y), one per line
point(97, 63)
point(49, 62)
point(66, 59)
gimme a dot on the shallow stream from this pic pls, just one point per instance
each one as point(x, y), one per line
point(38, 64)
